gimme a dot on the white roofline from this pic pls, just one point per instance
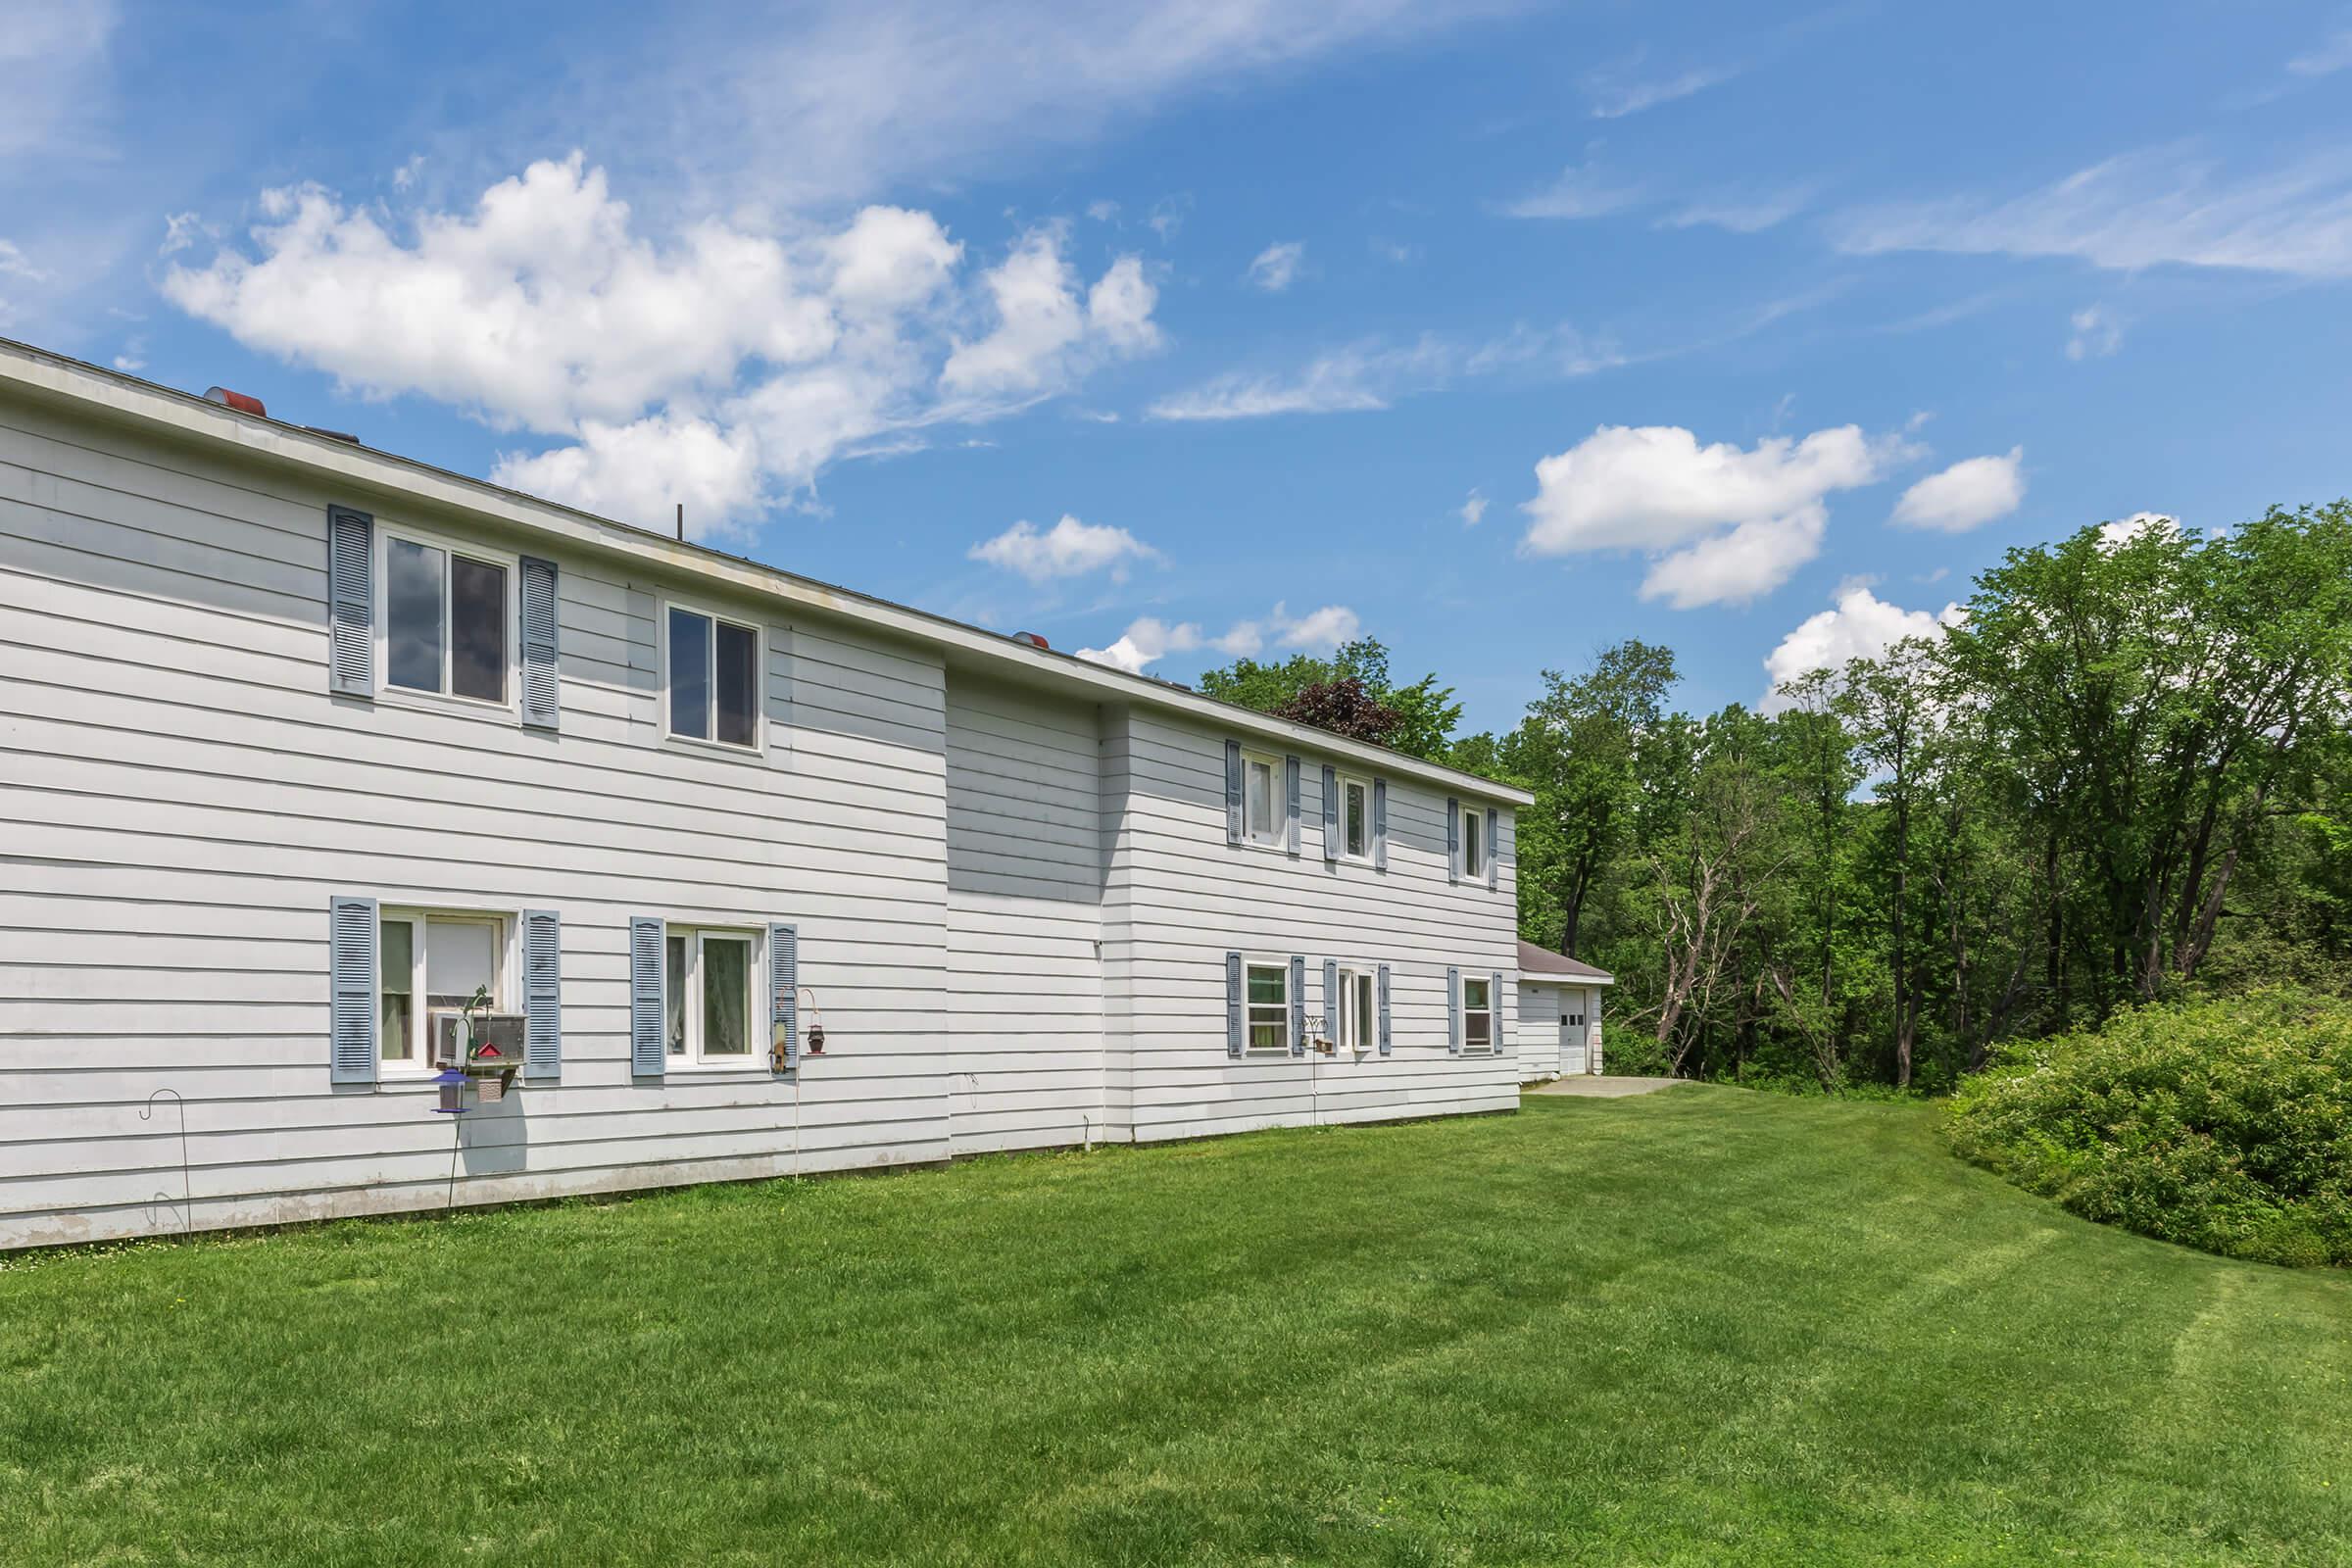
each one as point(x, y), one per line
point(1539, 977)
point(40, 376)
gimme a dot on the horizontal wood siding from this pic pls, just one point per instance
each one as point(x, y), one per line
point(179, 796)
point(1012, 904)
point(1188, 896)
point(1024, 915)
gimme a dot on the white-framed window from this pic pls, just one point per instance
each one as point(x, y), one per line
point(1478, 1012)
point(709, 997)
point(1474, 847)
point(428, 962)
point(1358, 1020)
point(1355, 818)
point(1265, 805)
point(710, 677)
point(1267, 985)
point(446, 614)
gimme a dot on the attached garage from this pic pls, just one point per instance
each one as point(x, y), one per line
point(1559, 1015)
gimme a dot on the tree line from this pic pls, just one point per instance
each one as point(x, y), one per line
point(2124, 773)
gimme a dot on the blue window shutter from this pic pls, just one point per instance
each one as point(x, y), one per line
point(351, 603)
point(1493, 820)
point(1380, 824)
point(1331, 812)
point(1454, 840)
point(541, 666)
point(1290, 796)
point(1495, 1034)
point(646, 1045)
point(1454, 1009)
point(542, 994)
point(784, 990)
point(1330, 1000)
point(1384, 1009)
point(1233, 792)
point(351, 985)
point(1297, 1005)
point(1237, 1029)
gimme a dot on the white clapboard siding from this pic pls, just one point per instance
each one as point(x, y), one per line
point(1012, 901)
point(1024, 917)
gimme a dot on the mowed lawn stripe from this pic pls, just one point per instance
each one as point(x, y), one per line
point(1698, 1327)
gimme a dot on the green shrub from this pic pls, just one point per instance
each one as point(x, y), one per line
point(2221, 1124)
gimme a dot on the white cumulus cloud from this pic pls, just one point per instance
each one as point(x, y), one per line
point(1276, 267)
point(1862, 626)
point(1068, 549)
point(1149, 639)
point(1474, 509)
point(2115, 535)
point(1965, 495)
point(720, 365)
point(1722, 524)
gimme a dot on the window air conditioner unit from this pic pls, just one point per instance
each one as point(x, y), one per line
point(499, 1031)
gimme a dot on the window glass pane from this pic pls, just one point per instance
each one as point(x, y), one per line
point(674, 994)
point(1474, 993)
point(412, 615)
point(1470, 824)
point(1367, 1014)
point(1267, 984)
point(477, 629)
point(726, 997)
point(738, 685)
point(459, 956)
point(690, 674)
point(1358, 833)
point(1478, 1030)
point(395, 980)
point(1260, 801)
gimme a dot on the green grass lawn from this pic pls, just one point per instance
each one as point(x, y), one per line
point(1704, 1326)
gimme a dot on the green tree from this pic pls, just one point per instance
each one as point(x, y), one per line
point(1425, 712)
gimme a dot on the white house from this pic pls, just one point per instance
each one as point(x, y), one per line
point(1558, 1028)
point(301, 743)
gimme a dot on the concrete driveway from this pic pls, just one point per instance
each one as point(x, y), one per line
point(1591, 1088)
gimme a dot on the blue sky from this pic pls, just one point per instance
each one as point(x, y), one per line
point(1497, 331)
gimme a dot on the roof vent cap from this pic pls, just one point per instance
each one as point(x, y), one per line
point(236, 400)
point(1033, 640)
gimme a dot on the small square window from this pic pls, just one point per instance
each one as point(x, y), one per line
point(429, 962)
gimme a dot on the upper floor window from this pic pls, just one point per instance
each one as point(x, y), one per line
point(1478, 1013)
point(446, 615)
point(1263, 803)
point(1474, 847)
point(1355, 818)
point(713, 679)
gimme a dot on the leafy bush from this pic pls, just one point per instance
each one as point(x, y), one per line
point(2221, 1124)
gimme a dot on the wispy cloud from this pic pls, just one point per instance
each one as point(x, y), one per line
point(1616, 92)
point(1149, 639)
point(2325, 59)
point(1276, 267)
point(1365, 377)
point(1579, 191)
point(2158, 207)
point(2096, 333)
point(1585, 191)
point(1068, 549)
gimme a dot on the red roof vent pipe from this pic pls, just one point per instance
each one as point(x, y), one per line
point(1033, 640)
point(234, 400)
